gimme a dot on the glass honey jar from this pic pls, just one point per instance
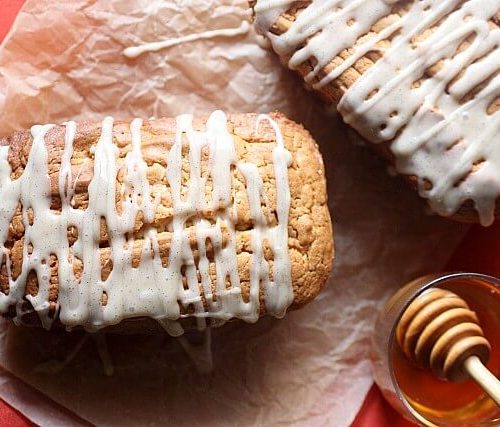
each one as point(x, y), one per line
point(418, 393)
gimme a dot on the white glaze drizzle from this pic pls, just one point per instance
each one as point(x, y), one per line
point(200, 354)
point(135, 51)
point(150, 290)
point(423, 122)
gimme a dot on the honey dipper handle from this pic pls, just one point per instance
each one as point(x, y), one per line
point(489, 383)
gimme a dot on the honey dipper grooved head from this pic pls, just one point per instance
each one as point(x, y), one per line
point(439, 331)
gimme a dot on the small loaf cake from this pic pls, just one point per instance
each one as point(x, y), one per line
point(418, 78)
point(209, 217)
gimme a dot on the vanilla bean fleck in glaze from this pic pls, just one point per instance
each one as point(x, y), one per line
point(442, 127)
point(150, 289)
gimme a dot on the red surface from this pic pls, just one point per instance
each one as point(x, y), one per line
point(8, 11)
point(11, 418)
point(376, 412)
point(477, 253)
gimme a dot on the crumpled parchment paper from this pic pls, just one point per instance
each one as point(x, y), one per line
point(63, 60)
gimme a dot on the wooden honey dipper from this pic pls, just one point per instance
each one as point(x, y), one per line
point(439, 331)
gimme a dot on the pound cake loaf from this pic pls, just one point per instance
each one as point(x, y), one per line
point(210, 217)
point(418, 78)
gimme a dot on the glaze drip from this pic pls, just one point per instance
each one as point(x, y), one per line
point(135, 51)
point(150, 289)
point(440, 134)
